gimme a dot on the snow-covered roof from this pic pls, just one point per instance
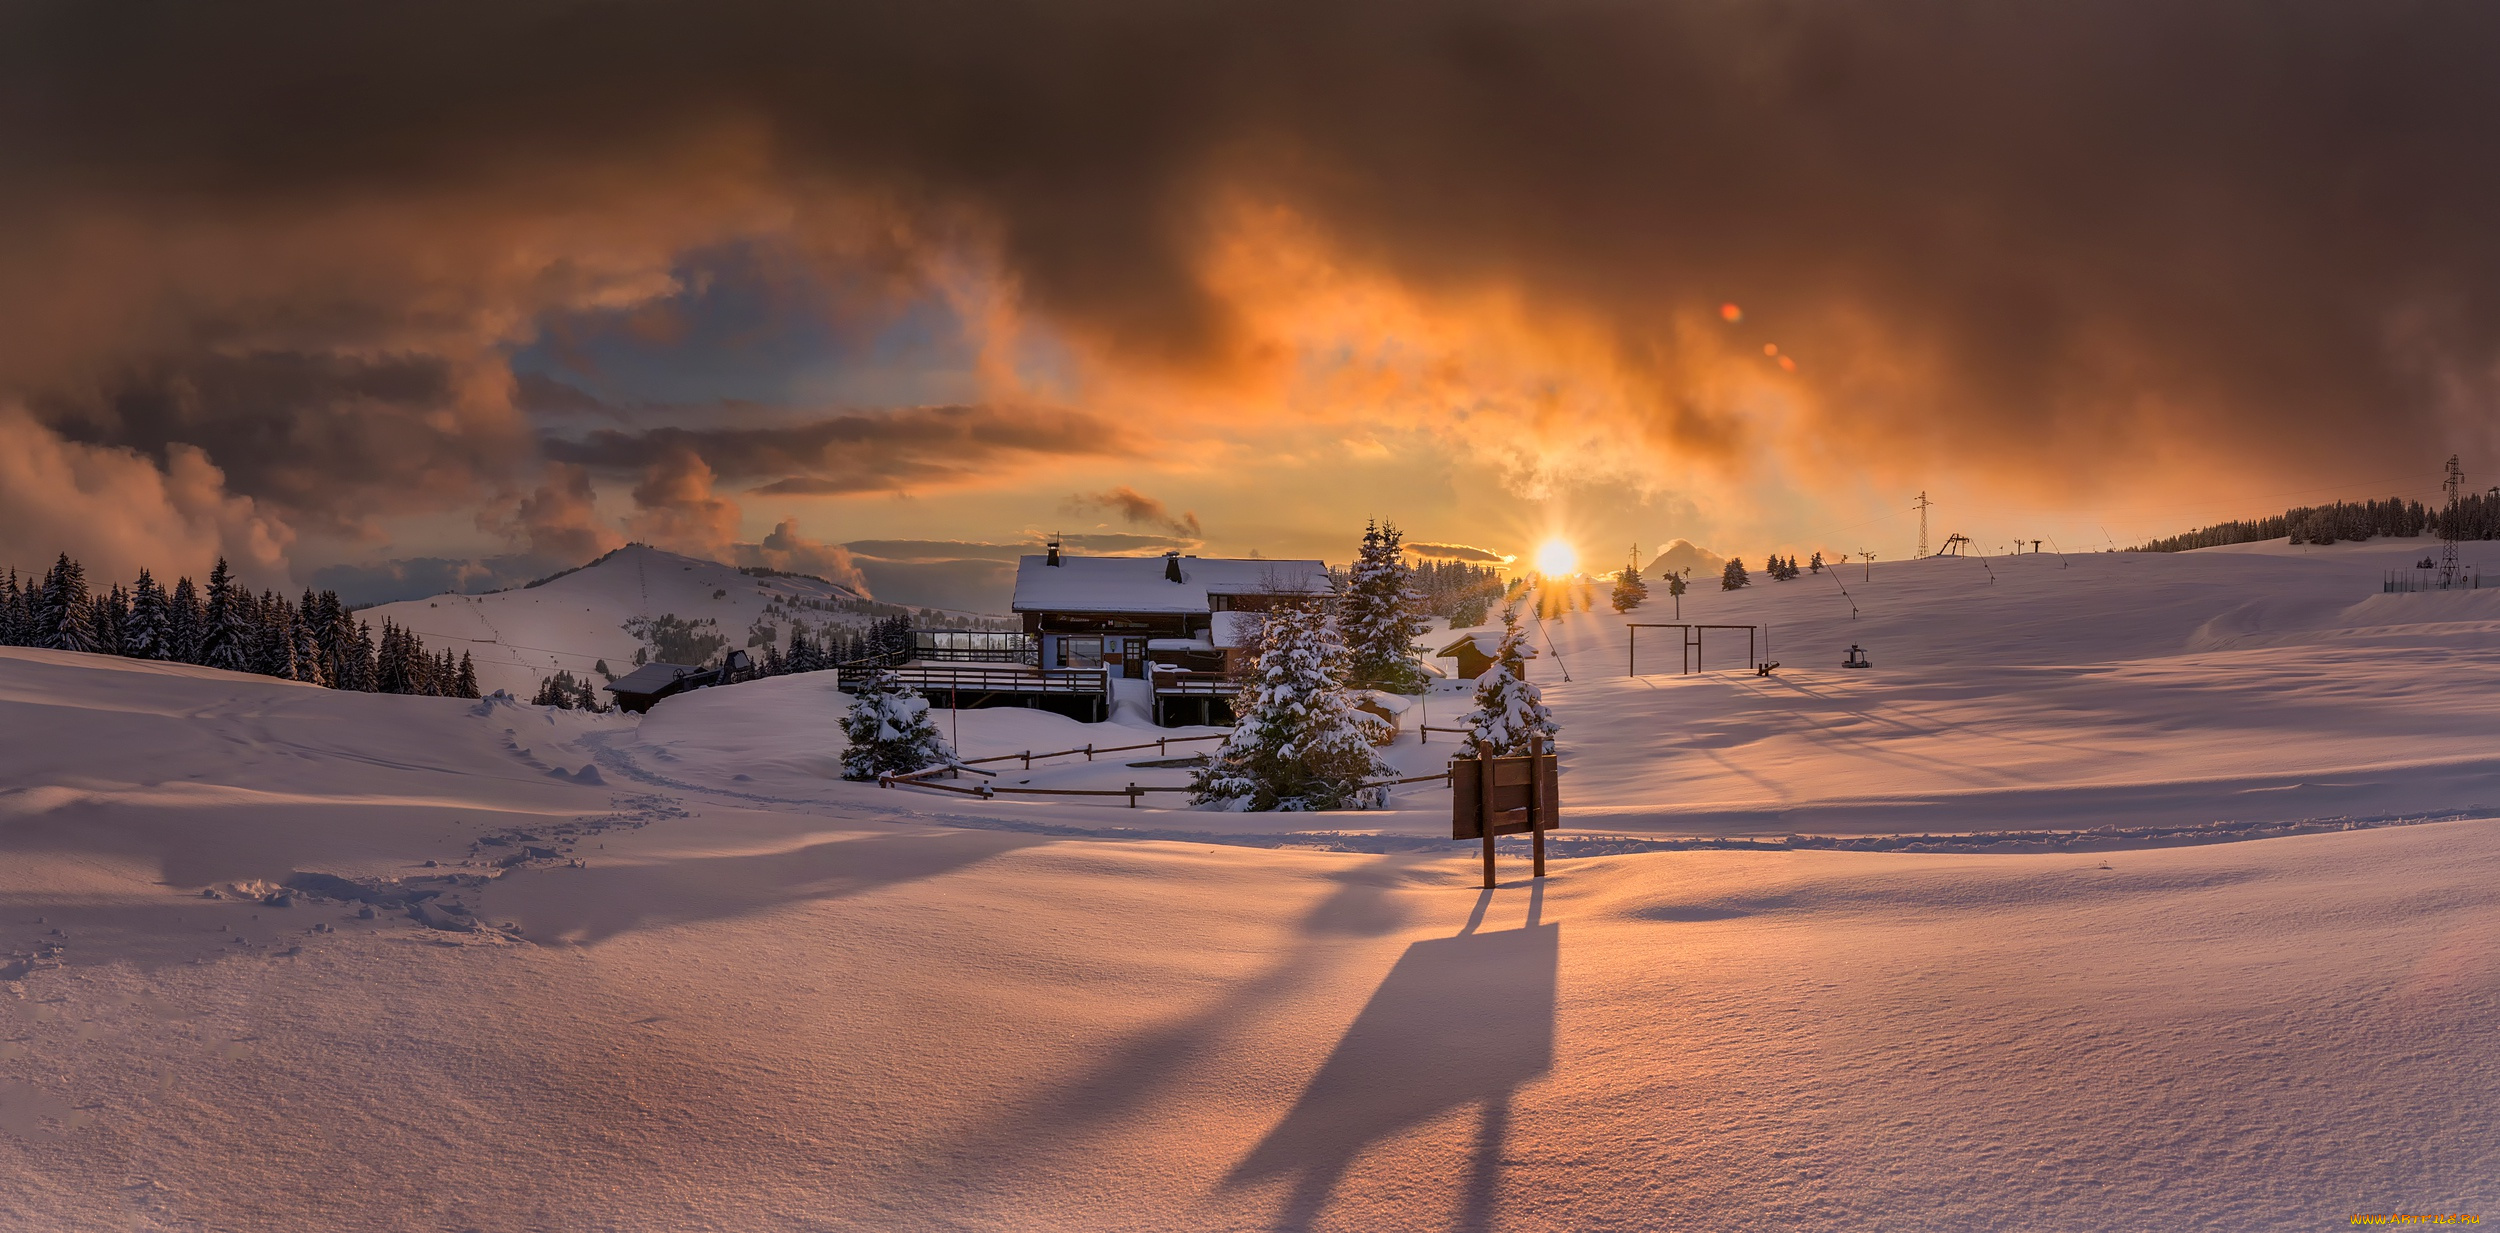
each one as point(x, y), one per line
point(1488, 642)
point(650, 678)
point(1382, 700)
point(1138, 584)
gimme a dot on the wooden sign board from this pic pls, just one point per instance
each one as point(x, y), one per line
point(1514, 779)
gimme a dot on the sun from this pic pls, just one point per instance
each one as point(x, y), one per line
point(1556, 558)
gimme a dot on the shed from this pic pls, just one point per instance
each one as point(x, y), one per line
point(1391, 708)
point(637, 690)
point(1474, 652)
point(642, 688)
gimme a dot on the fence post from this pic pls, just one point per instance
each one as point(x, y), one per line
point(1028, 759)
point(1484, 806)
point(1089, 751)
point(1132, 796)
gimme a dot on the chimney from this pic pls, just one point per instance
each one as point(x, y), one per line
point(1053, 558)
point(1172, 566)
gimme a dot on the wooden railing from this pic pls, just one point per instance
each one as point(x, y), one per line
point(979, 680)
point(1196, 684)
point(1029, 655)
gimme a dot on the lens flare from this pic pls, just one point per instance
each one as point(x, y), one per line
point(1556, 558)
point(1730, 313)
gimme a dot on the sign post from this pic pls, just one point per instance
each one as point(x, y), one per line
point(1495, 795)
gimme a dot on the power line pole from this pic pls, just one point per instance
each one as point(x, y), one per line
point(2448, 526)
point(1923, 503)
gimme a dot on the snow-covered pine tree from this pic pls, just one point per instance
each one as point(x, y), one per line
point(1510, 708)
point(149, 634)
point(190, 620)
point(1380, 617)
point(464, 682)
point(307, 642)
point(1734, 577)
point(1300, 744)
point(1815, 565)
point(890, 731)
point(1629, 589)
point(112, 618)
point(225, 630)
point(9, 599)
point(62, 609)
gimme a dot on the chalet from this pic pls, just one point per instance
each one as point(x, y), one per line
point(1181, 623)
point(1176, 625)
point(1475, 652)
point(642, 688)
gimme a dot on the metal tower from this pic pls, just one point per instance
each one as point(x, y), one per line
point(2448, 526)
point(1923, 503)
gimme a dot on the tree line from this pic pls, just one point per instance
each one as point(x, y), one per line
point(2472, 517)
point(316, 640)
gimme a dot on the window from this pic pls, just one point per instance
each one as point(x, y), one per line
point(1080, 652)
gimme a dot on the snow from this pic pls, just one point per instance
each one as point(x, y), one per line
point(520, 637)
point(768, 999)
point(1139, 584)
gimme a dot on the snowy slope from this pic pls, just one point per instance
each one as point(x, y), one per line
point(716, 1010)
point(523, 636)
point(2109, 690)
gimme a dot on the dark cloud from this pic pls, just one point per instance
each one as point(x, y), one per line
point(857, 451)
point(1458, 552)
point(319, 437)
point(2064, 239)
point(1139, 510)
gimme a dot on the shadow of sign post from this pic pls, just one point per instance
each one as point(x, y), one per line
point(1458, 1021)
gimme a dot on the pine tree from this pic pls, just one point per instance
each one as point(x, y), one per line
point(225, 633)
point(1510, 709)
point(1734, 576)
point(1815, 566)
point(1300, 744)
point(190, 621)
point(308, 665)
point(9, 600)
point(1629, 589)
point(112, 620)
point(890, 731)
point(364, 670)
point(150, 631)
point(1379, 616)
point(62, 609)
point(464, 682)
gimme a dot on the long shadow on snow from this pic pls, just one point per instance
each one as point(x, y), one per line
point(1465, 1020)
point(591, 905)
point(1038, 1132)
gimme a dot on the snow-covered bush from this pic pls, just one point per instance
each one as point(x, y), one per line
point(890, 731)
point(1300, 744)
point(1381, 615)
point(1510, 709)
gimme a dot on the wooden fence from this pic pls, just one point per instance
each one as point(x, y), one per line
point(983, 791)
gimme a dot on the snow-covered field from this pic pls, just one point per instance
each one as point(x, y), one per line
point(690, 982)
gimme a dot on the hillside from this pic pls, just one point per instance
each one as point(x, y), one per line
point(578, 619)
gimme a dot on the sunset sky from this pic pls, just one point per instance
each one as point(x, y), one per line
point(403, 297)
